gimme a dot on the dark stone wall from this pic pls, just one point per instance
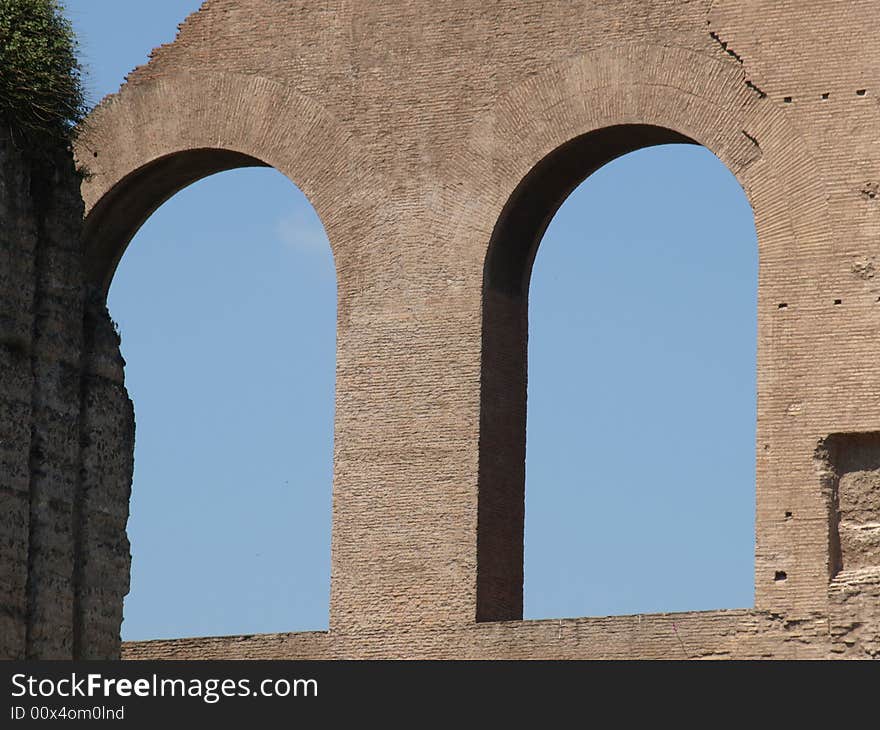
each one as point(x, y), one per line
point(65, 503)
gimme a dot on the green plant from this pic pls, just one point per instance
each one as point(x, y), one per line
point(41, 94)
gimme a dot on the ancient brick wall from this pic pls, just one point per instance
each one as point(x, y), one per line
point(435, 140)
point(66, 424)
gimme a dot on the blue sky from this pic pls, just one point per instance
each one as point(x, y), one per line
point(641, 415)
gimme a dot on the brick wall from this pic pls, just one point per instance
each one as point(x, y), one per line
point(434, 140)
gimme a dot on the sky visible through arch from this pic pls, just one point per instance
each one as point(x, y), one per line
point(641, 416)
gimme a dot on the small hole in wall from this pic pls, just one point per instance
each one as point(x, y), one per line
point(95, 154)
point(825, 96)
point(861, 92)
point(787, 99)
point(838, 301)
point(783, 305)
point(780, 576)
point(787, 515)
point(766, 447)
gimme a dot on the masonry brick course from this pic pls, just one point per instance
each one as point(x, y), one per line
point(435, 140)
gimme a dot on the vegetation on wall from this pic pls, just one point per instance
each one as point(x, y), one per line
point(41, 93)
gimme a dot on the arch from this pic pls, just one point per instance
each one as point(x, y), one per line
point(547, 135)
point(226, 303)
point(145, 143)
point(642, 325)
point(536, 199)
point(119, 214)
point(137, 149)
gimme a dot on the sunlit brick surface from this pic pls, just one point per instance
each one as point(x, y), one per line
point(410, 125)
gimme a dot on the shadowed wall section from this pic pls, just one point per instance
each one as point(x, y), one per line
point(512, 250)
point(113, 222)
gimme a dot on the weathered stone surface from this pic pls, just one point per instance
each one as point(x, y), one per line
point(435, 140)
point(17, 244)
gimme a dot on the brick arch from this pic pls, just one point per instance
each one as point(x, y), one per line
point(542, 138)
point(699, 96)
point(144, 144)
point(138, 148)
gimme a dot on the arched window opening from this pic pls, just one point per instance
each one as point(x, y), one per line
point(627, 484)
point(640, 443)
point(226, 305)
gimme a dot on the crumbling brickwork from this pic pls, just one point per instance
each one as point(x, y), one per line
point(62, 400)
point(435, 141)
